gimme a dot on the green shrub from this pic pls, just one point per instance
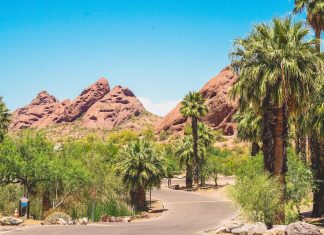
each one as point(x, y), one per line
point(9, 198)
point(36, 209)
point(299, 185)
point(96, 209)
point(256, 193)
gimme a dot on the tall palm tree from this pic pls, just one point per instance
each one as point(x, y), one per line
point(185, 154)
point(249, 128)
point(277, 67)
point(206, 137)
point(4, 119)
point(193, 106)
point(314, 121)
point(315, 16)
point(141, 168)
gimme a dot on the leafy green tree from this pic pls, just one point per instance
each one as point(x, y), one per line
point(193, 106)
point(315, 16)
point(214, 167)
point(277, 67)
point(4, 119)
point(25, 160)
point(141, 168)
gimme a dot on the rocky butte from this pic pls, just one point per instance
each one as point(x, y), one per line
point(96, 107)
point(221, 108)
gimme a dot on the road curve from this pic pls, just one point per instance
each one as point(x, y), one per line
point(186, 213)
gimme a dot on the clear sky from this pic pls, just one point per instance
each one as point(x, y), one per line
point(160, 49)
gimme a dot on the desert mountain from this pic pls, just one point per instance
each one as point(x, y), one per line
point(96, 107)
point(220, 107)
point(113, 109)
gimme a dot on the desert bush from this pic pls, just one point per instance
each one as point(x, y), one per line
point(258, 198)
point(56, 216)
point(299, 185)
point(227, 161)
point(9, 198)
point(122, 137)
point(256, 193)
point(36, 209)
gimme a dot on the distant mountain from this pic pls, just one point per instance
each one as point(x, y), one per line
point(96, 107)
point(100, 108)
point(220, 107)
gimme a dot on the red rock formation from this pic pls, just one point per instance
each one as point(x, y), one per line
point(113, 109)
point(84, 101)
point(39, 113)
point(220, 107)
point(100, 108)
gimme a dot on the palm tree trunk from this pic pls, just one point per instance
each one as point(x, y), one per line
point(318, 38)
point(268, 138)
point(138, 198)
point(300, 146)
point(188, 177)
point(255, 148)
point(202, 175)
point(317, 159)
point(195, 151)
point(280, 158)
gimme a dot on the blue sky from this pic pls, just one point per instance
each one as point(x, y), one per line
point(160, 49)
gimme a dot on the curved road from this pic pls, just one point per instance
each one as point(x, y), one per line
point(186, 213)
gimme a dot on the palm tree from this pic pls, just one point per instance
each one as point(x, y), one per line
point(315, 16)
point(193, 106)
point(206, 137)
point(4, 119)
point(249, 128)
point(277, 67)
point(141, 168)
point(314, 121)
point(185, 154)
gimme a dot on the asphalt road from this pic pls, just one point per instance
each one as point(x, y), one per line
point(186, 213)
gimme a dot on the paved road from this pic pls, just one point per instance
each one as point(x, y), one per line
point(186, 213)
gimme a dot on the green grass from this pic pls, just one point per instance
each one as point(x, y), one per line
point(112, 207)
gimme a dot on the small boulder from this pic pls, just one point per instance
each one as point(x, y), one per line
point(105, 218)
point(61, 221)
point(57, 218)
point(16, 221)
point(84, 221)
point(71, 222)
point(126, 219)
point(5, 221)
point(251, 229)
point(119, 219)
point(230, 227)
point(277, 230)
point(112, 219)
point(302, 228)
